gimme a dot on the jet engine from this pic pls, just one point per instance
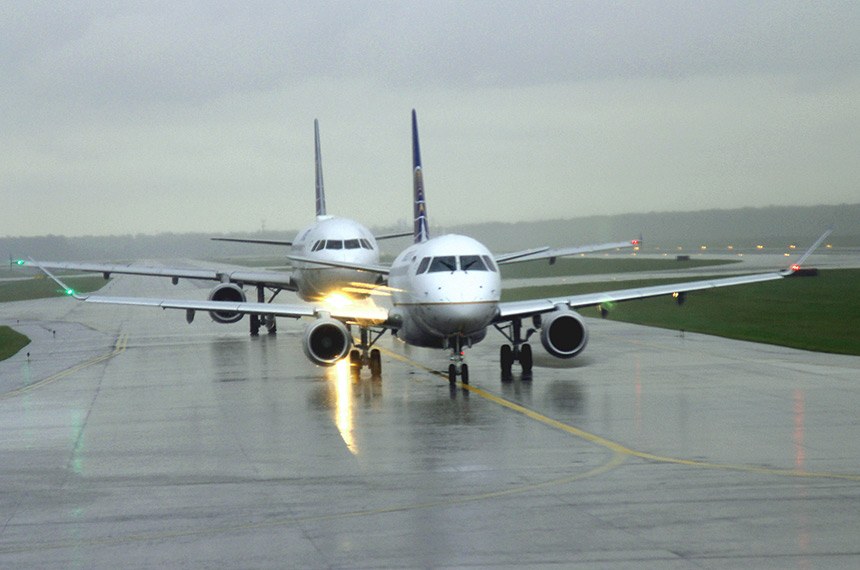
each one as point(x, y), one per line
point(326, 341)
point(227, 292)
point(563, 333)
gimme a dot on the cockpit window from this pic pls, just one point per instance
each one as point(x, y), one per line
point(489, 263)
point(366, 244)
point(472, 263)
point(422, 267)
point(334, 244)
point(351, 244)
point(318, 245)
point(443, 263)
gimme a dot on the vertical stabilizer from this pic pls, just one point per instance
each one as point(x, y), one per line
point(421, 231)
point(320, 193)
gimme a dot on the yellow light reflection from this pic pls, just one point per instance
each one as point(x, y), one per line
point(341, 378)
point(336, 300)
point(363, 311)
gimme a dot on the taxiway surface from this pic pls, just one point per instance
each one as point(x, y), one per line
point(132, 439)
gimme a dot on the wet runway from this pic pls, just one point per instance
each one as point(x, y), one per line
point(133, 439)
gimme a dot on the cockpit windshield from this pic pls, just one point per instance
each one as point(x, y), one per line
point(452, 263)
point(357, 243)
point(472, 263)
point(443, 263)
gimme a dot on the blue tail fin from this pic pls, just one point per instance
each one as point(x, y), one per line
point(421, 231)
point(320, 194)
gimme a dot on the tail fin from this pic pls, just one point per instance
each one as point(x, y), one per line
point(320, 194)
point(421, 231)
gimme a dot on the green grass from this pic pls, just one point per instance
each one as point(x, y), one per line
point(598, 265)
point(41, 287)
point(813, 313)
point(11, 342)
point(37, 288)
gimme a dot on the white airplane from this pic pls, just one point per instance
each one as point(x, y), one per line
point(329, 238)
point(445, 293)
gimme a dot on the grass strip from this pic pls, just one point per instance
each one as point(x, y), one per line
point(598, 265)
point(41, 287)
point(813, 313)
point(11, 342)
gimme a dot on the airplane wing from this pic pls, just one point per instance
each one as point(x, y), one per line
point(289, 243)
point(552, 253)
point(362, 314)
point(394, 235)
point(381, 269)
point(264, 241)
point(518, 309)
point(248, 277)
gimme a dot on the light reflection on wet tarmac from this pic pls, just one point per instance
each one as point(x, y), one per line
point(239, 449)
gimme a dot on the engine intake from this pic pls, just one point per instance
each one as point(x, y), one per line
point(227, 292)
point(563, 333)
point(326, 341)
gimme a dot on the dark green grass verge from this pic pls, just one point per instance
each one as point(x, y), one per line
point(598, 265)
point(11, 342)
point(41, 287)
point(813, 313)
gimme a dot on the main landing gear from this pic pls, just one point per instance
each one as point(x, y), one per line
point(518, 351)
point(362, 355)
point(264, 320)
point(457, 366)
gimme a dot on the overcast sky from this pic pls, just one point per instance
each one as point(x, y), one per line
point(149, 117)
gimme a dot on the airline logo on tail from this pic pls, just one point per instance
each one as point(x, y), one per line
point(320, 189)
point(421, 231)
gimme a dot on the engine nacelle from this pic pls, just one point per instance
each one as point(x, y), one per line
point(326, 341)
point(563, 333)
point(227, 292)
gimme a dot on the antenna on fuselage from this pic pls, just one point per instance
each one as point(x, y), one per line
point(320, 191)
point(421, 231)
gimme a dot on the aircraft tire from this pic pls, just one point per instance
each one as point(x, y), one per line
point(464, 373)
point(452, 373)
point(526, 359)
point(506, 358)
point(375, 363)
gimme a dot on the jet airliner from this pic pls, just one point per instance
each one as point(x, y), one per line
point(446, 293)
point(329, 238)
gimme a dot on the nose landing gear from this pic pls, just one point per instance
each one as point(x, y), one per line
point(362, 355)
point(457, 366)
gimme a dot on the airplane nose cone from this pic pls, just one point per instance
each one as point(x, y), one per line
point(464, 318)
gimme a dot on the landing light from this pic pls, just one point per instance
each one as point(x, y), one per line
point(337, 300)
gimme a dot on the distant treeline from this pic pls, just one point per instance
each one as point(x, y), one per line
point(741, 227)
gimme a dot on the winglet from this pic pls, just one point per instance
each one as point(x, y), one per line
point(797, 264)
point(320, 190)
point(68, 290)
point(421, 231)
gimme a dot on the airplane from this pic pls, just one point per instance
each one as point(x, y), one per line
point(329, 238)
point(446, 293)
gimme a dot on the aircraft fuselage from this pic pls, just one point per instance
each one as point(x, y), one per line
point(443, 289)
point(333, 239)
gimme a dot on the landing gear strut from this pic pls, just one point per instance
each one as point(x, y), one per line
point(265, 320)
point(519, 350)
point(362, 355)
point(457, 366)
